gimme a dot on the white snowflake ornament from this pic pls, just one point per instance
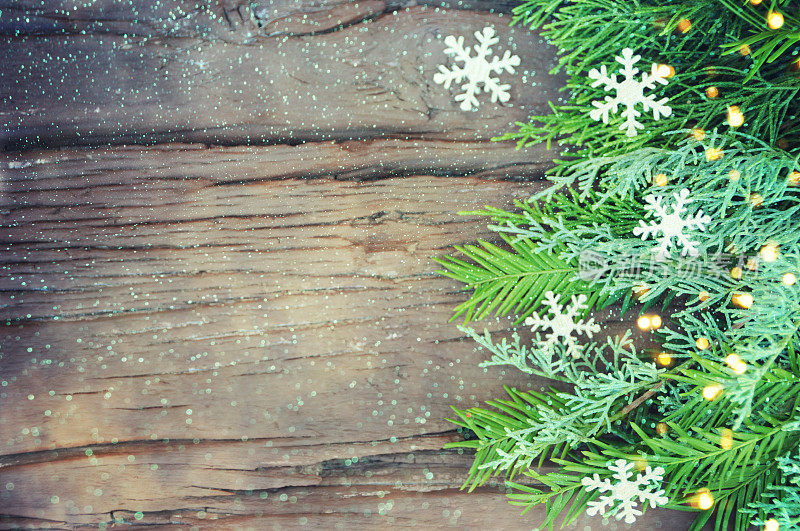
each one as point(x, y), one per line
point(671, 225)
point(562, 323)
point(629, 92)
point(477, 69)
point(625, 495)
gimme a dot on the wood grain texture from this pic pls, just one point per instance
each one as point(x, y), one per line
point(363, 81)
point(238, 325)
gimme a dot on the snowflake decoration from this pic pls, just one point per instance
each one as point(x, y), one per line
point(671, 225)
point(625, 491)
point(629, 92)
point(562, 323)
point(477, 69)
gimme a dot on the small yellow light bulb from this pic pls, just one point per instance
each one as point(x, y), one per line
point(742, 300)
point(710, 392)
point(712, 92)
point(698, 134)
point(736, 364)
point(665, 71)
point(702, 343)
point(755, 2)
point(756, 199)
point(664, 359)
point(735, 116)
point(726, 438)
point(703, 296)
point(684, 25)
point(734, 175)
point(705, 500)
point(771, 525)
point(655, 321)
point(794, 178)
point(769, 253)
point(774, 20)
point(736, 272)
point(744, 50)
point(789, 279)
point(713, 154)
point(643, 322)
point(662, 428)
point(660, 179)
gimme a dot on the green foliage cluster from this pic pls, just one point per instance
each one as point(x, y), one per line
point(720, 411)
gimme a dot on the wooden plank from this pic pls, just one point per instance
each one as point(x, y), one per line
point(362, 81)
point(147, 284)
point(221, 19)
point(252, 484)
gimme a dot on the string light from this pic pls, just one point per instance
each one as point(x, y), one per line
point(665, 71)
point(703, 296)
point(649, 322)
point(736, 273)
point(744, 50)
point(660, 179)
point(756, 199)
point(755, 2)
point(771, 525)
point(664, 359)
point(736, 364)
point(705, 500)
point(702, 343)
point(734, 175)
point(710, 392)
point(769, 253)
point(752, 263)
point(774, 20)
point(662, 428)
point(713, 154)
point(684, 25)
point(712, 92)
point(789, 279)
point(794, 178)
point(726, 438)
point(735, 116)
point(742, 300)
point(698, 134)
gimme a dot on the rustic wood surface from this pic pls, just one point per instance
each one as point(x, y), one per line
point(239, 325)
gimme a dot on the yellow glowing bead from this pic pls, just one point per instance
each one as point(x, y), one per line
point(698, 134)
point(704, 296)
point(756, 199)
point(771, 524)
point(735, 116)
point(702, 343)
point(769, 253)
point(774, 20)
point(734, 175)
point(643, 322)
point(710, 392)
point(713, 154)
point(789, 279)
point(736, 272)
point(744, 49)
point(743, 300)
point(736, 364)
point(794, 178)
point(752, 264)
point(755, 2)
point(726, 438)
point(712, 92)
point(662, 428)
point(655, 321)
point(665, 71)
point(684, 25)
point(705, 501)
point(664, 358)
point(660, 179)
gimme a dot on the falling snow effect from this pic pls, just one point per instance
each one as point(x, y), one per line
point(628, 93)
point(672, 223)
point(624, 495)
point(562, 323)
point(477, 69)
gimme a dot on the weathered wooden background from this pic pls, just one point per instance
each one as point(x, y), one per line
point(218, 303)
